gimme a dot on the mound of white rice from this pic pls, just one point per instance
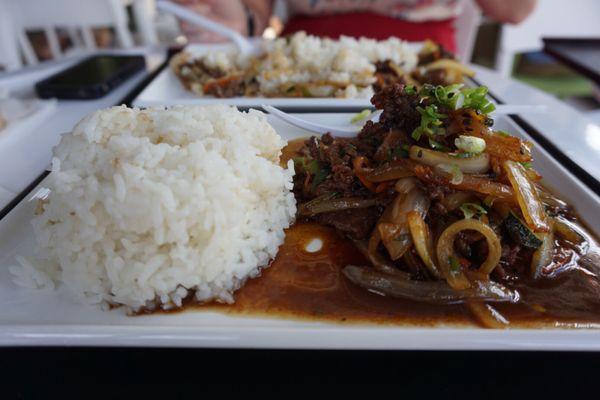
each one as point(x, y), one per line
point(149, 206)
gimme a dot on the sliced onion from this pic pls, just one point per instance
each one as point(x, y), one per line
point(567, 232)
point(375, 238)
point(448, 63)
point(329, 205)
point(454, 171)
point(478, 164)
point(469, 182)
point(572, 233)
point(359, 164)
point(504, 147)
point(445, 249)
point(391, 171)
point(379, 262)
point(397, 69)
point(393, 228)
point(405, 185)
point(542, 257)
point(421, 238)
point(487, 187)
point(527, 197)
point(395, 238)
point(455, 200)
point(426, 291)
point(414, 200)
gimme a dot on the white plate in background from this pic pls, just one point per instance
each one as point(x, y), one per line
point(37, 318)
point(167, 90)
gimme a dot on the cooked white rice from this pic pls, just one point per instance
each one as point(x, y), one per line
point(150, 206)
point(346, 63)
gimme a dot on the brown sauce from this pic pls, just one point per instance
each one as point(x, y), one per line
point(310, 285)
point(303, 285)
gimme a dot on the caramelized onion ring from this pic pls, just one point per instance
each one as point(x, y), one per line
point(445, 249)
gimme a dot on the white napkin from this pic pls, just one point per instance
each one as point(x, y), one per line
point(14, 111)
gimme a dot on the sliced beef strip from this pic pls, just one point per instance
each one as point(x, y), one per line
point(356, 224)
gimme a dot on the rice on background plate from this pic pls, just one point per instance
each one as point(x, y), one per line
point(323, 67)
point(148, 207)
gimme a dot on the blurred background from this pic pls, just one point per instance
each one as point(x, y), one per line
point(39, 31)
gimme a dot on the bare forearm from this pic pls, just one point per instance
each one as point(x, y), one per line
point(511, 11)
point(261, 12)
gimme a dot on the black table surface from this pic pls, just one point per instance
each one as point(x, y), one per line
point(106, 373)
point(583, 54)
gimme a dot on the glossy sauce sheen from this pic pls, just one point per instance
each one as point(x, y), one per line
point(305, 285)
point(301, 284)
point(310, 285)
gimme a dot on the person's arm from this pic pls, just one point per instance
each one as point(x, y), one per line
point(231, 13)
point(261, 12)
point(511, 11)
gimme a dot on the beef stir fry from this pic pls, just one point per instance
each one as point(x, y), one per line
point(435, 66)
point(446, 209)
point(198, 77)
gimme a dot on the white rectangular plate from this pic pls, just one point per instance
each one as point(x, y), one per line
point(167, 90)
point(52, 318)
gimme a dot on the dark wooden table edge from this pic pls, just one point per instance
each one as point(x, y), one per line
point(548, 48)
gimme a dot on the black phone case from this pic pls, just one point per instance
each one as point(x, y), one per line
point(48, 88)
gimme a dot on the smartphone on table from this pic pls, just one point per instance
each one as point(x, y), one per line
point(92, 78)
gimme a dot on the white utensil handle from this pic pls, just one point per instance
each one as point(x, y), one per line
point(240, 41)
point(311, 126)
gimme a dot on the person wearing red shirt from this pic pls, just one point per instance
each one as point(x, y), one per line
point(413, 20)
